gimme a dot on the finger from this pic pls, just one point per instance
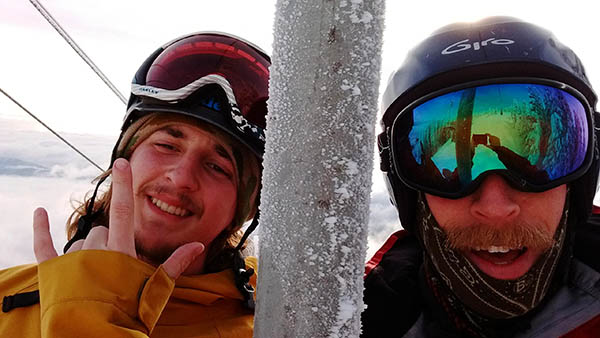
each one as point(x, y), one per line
point(96, 239)
point(42, 240)
point(176, 264)
point(76, 246)
point(120, 235)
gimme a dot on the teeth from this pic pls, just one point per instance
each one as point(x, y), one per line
point(173, 210)
point(496, 249)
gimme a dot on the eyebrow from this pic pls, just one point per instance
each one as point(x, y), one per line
point(174, 132)
point(219, 149)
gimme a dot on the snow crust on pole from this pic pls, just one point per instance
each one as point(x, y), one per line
point(317, 167)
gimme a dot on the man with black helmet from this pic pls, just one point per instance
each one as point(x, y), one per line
point(158, 253)
point(490, 151)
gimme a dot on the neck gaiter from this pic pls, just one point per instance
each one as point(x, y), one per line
point(485, 295)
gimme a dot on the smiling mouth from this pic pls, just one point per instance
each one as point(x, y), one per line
point(499, 255)
point(170, 209)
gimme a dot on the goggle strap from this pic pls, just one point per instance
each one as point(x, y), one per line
point(385, 162)
point(242, 280)
point(84, 225)
point(248, 231)
point(242, 124)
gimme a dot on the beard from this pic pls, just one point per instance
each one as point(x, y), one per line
point(158, 252)
point(513, 235)
point(473, 295)
point(155, 255)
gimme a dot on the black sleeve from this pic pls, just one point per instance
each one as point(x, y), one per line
point(587, 242)
point(392, 293)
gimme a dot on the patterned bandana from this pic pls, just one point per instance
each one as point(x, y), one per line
point(485, 295)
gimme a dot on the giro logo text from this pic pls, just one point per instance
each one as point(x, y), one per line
point(464, 45)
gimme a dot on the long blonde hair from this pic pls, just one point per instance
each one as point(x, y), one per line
point(221, 248)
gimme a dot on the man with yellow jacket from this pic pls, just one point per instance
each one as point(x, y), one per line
point(158, 253)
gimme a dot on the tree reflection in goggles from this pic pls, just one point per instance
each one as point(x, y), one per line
point(529, 132)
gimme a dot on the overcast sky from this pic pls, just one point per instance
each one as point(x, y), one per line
point(40, 70)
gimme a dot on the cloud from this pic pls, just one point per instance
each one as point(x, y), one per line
point(383, 217)
point(38, 170)
point(19, 197)
point(40, 153)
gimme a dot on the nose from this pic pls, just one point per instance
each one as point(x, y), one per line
point(495, 201)
point(184, 174)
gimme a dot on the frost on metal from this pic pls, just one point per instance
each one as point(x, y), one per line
point(317, 167)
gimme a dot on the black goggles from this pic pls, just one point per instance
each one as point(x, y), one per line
point(538, 135)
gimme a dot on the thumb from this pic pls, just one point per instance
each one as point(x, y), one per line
point(181, 259)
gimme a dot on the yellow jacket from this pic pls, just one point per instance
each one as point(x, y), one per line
point(93, 293)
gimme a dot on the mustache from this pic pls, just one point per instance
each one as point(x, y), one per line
point(513, 235)
point(183, 199)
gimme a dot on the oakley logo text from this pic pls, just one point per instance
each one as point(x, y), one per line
point(149, 90)
point(464, 45)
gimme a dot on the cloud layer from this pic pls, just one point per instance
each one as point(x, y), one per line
point(38, 170)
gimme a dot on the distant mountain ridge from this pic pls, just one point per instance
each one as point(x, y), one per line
point(27, 152)
point(16, 167)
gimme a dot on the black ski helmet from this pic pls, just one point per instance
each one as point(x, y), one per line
point(180, 69)
point(493, 48)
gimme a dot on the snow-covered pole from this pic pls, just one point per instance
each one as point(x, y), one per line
point(317, 167)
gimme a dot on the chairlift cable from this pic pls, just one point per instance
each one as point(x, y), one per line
point(50, 129)
point(77, 49)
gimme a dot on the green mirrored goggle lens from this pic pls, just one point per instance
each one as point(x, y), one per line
point(535, 132)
